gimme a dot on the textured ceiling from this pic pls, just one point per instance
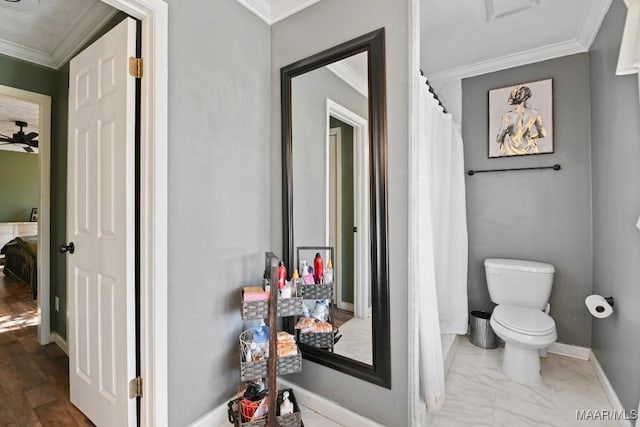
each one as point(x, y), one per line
point(45, 27)
point(457, 33)
point(12, 109)
point(52, 32)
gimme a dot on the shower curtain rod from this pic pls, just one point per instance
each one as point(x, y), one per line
point(435, 95)
point(555, 167)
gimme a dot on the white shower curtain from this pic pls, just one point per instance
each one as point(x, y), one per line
point(442, 236)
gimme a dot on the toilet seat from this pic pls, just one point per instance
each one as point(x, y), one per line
point(523, 320)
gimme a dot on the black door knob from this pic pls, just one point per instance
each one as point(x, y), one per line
point(67, 248)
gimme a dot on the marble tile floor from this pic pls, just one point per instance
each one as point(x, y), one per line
point(479, 394)
point(34, 379)
point(310, 418)
point(356, 342)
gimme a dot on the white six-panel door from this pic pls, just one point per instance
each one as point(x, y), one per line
point(100, 223)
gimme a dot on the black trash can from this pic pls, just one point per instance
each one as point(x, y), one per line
point(481, 333)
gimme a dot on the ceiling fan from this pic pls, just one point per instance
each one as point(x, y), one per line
point(27, 141)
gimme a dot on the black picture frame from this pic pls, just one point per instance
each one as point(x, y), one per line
point(373, 43)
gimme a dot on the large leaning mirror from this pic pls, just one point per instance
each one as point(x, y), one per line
point(334, 204)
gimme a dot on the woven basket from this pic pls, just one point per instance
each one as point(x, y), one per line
point(260, 309)
point(323, 291)
point(317, 339)
point(291, 420)
point(253, 370)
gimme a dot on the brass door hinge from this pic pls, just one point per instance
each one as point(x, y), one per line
point(135, 388)
point(135, 67)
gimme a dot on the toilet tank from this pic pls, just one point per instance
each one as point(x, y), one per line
point(519, 282)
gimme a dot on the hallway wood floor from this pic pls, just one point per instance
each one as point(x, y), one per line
point(34, 379)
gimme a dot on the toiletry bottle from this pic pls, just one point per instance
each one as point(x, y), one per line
point(282, 275)
point(261, 337)
point(317, 268)
point(286, 407)
point(328, 273)
point(295, 279)
point(266, 281)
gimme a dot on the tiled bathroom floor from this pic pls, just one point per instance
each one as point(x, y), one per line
point(310, 418)
point(478, 393)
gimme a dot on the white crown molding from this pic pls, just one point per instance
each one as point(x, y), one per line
point(272, 11)
point(81, 32)
point(96, 17)
point(26, 53)
point(587, 32)
point(544, 53)
point(349, 75)
point(591, 22)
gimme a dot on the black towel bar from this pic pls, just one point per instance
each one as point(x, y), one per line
point(555, 167)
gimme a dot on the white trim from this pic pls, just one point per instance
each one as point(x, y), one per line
point(44, 208)
point(212, 418)
point(96, 17)
point(575, 351)
point(327, 408)
point(417, 407)
point(60, 342)
point(587, 31)
point(361, 143)
point(543, 53)
point(153, 193)
point(609, 390)
point(272, 11)
point(25, 53)
point(350, 76)
point(86, 26)
point(591, 22)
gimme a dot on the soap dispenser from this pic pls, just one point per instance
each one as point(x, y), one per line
point(286, 407)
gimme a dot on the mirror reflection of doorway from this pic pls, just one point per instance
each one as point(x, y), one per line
point(342, 212)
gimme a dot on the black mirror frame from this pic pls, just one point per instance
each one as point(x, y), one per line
point(374, 43)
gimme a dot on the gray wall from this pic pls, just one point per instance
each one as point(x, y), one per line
point(309, 99)
point(615, 126)
point(323, 25)
point(219, 149)
point(537, 215)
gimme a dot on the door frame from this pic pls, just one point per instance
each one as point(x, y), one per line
point(44, 216)
point(360, 126)
point(153, 15)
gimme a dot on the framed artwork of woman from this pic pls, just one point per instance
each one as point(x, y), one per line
point(521, 119)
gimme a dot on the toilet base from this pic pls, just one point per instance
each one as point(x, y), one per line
point(521, 365)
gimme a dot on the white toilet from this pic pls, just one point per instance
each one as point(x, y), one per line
point(521, 289)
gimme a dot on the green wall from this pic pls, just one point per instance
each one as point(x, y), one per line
point(19, 185)
point(26, 76)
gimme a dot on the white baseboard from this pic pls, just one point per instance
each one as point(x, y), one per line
point(60, 342)
point(616, 405)
point(213, 418)
point(328, 408)
point(575, 351)
point(325, 407)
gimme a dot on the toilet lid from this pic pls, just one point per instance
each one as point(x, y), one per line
point(524, 320)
